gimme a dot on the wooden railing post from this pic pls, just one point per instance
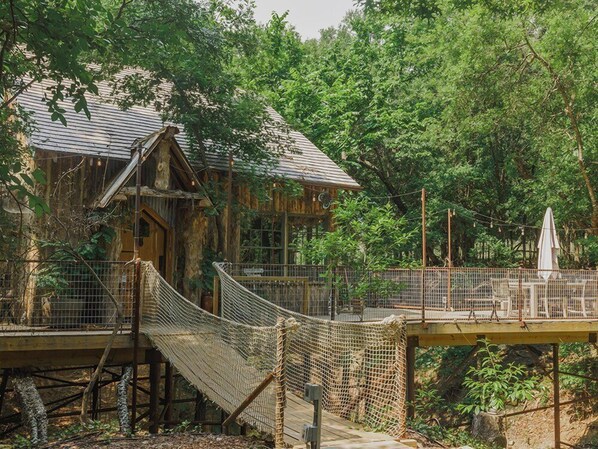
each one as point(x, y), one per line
point(280, 386)
point(136, 325)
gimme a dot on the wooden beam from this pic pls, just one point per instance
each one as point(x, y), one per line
point(174, 194)
point(411, 345)
point(254, 394)
point(154, 402)
point(466, 333)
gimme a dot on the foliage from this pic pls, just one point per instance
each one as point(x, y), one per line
point(51, 41)
point(503, 256)
point(365, 236)
point(448, 436)
point(493, 386)
point(366, 239)
point(466, 99)
point(580, 359)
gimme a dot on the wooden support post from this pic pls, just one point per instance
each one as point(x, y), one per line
point(556, 394)
point(281, 385)
point(216, 299)
point(411, 345)
point(3, 385)
point(168, 393)
point(248, 400)
point(154, 401)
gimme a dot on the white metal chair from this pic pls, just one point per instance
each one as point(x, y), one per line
point(502, 295)
point(588, 295)
point(555, 292)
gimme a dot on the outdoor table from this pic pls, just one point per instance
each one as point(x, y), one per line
point(534, 287)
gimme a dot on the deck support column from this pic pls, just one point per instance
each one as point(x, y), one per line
point(412, 343)
point(556, 396)
point(154, 401)
point(168, 393)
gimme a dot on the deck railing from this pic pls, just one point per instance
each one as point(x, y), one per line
point(433, 294)
point(65, 295)
point(58, 295)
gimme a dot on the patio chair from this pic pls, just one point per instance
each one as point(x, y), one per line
point(555, 292)
point(587, 299)
point(500, 294)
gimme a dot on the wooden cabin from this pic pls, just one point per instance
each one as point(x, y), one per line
point(91, 168)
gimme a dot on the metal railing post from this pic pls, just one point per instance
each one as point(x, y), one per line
point(423, 298)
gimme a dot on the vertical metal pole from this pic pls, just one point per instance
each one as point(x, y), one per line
point(424, 257)
point(318, 423)
point(229, 207)
point(448, 244)
point(136, 237)
point(136, 314)
point(424, 243)
point(333, 295)
point(556, 396)
point(450, 262)
point(137, 289)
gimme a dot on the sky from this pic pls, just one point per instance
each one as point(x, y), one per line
point(307, 16)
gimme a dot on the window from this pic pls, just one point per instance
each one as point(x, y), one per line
point(301, 231)
point(262, 240)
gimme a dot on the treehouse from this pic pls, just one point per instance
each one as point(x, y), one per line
point(91, 172)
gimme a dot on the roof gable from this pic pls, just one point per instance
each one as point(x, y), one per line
point(144, 148)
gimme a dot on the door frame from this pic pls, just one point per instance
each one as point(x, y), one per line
point(168, 240)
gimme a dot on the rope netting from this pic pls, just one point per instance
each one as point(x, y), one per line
point(361, 366)
point(225, 360)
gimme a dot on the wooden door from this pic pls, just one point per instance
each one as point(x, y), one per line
point(154, 246)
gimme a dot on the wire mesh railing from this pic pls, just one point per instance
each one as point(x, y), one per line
point(57, 295)
point(360, 366)
point(433, 294)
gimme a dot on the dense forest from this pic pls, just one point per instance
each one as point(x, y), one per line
point(489, 105)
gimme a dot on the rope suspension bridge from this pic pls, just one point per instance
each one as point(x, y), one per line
point(255, 360)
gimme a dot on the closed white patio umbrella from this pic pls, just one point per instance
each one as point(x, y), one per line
point(548, 248)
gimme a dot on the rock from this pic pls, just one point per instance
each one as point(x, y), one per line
point(489, 427)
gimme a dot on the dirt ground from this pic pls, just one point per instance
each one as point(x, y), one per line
point(170, 441)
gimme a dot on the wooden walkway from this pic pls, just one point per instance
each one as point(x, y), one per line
point(336, 432)
point(215, 358)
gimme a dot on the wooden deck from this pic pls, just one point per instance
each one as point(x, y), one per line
point(336, 432)
point(22, 349)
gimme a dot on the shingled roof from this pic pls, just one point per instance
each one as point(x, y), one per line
point(111, 132)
